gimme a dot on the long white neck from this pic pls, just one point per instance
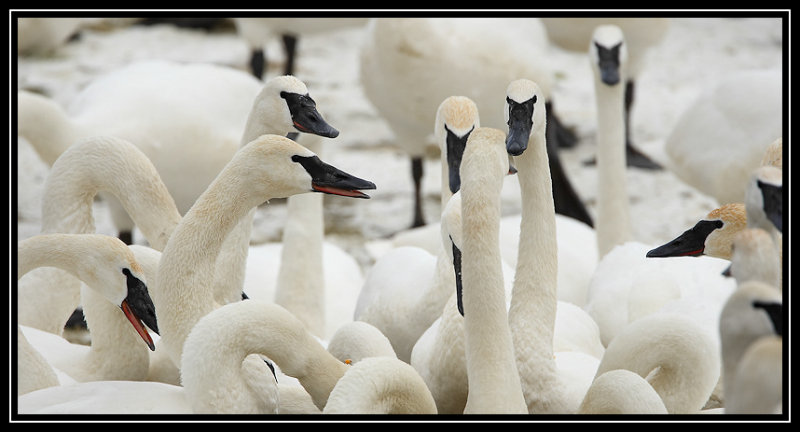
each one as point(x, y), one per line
point(300, 286)
point(613, 214)
point(493, 388)
point(532, 313)
point(45, 125)
point(677, 357)
point(232, 259)
point(380, 385)
point(218, 345)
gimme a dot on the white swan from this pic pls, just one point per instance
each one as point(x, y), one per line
point(751, 313)
point(358, 340)
point(408, 66)
point(259, 33)
point(495, 388)
point(642, 34)
point(760, 374)
point(675, 355)
point(104, 263)
point(418, 290)
point(551, 383)
point(609, 54)
point(270, 166)
point(721, 137)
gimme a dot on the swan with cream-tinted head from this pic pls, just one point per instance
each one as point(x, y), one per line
point(713, 235)
point(104, 263)
point(271, 166)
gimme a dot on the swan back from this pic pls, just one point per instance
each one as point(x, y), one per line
point(621, 391)
point(380, 385)
point(358, 340)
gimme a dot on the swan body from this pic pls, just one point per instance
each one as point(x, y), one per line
point(106, 265)
point(621, 391)
point(676, 356)
point(759, 379)
point(358, 340)
point(270, 166)
point(380, 385)
point(721, 138)
point(752, 312)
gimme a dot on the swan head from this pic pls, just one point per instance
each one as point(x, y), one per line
point(279, 167)
point(754, 256)
point(712, 236)
point(124, 285)
point(524, 114)
point(285, 103)
point(764, 198)
point(456, 118)
point(609, 54)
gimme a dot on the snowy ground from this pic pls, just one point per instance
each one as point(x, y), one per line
point(694, 53)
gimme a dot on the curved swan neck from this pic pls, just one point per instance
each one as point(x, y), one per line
point(679, 359)
point(613, 214)
point(235, 330)
point(115, 166)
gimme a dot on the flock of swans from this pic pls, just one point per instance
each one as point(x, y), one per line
point(472, 313)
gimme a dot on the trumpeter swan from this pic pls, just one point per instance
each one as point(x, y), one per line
point(675, 355)
point(752, 312)
point(713, 235)
point(105, 264)
point(642, 34)
point(418, 290)
point(609, 54)
point(721, 137)
point(408, 66)
point(270, 166)
point(495, 388)
point(551, 382)
point(760, 374)
point(259, 32)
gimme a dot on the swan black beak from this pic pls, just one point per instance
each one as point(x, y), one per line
point(331, 180)
point(773, 203)
point(608, 64)
point(305, 116)
point(691, 243)
point(139, 308)
point(775, 312)
point(455, 151)
point(457, 268)
point(520, 124)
